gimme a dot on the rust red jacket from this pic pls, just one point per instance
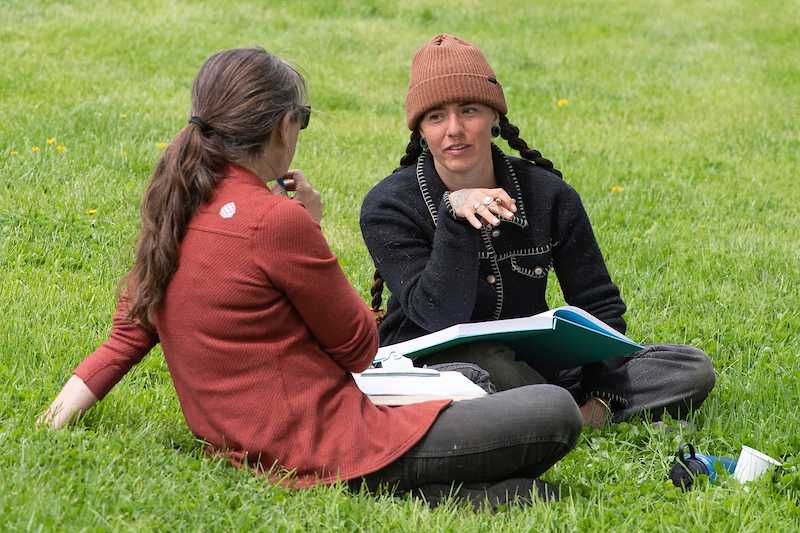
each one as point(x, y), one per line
point(260, 329)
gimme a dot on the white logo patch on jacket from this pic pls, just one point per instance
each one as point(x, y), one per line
point(227, 210)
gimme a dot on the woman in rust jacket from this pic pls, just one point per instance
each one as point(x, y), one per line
point(261, 329)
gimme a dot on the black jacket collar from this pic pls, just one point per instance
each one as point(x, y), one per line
point(432, 187)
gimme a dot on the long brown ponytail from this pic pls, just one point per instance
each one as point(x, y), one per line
point(238, 98)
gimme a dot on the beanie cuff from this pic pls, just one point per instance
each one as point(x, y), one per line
point(449, 88)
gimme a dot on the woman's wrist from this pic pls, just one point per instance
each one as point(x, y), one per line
point(74, 398)
point(449, 206)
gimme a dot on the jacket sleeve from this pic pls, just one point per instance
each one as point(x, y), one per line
point(579, 264)
point(292, 251)
point(434, 282)
point(127, 343)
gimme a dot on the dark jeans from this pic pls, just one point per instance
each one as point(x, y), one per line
point(487, 448)
point(661, 378)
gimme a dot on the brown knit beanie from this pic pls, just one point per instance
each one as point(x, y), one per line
point(448, 70)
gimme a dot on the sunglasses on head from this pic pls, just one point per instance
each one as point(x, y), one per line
point(304, 116)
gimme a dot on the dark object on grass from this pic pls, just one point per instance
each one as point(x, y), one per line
point(687, 467)
point(492, 496)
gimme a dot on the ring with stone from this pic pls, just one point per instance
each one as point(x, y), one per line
point(498, 201)
point(488, 200)
point(476, 206)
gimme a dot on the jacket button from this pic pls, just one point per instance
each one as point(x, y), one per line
point(490, 279)
point(496, 233)
point(538, 271)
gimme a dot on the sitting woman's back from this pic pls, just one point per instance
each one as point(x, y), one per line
point(259, 326)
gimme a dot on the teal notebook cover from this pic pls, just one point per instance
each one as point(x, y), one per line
point(568, 345)
point(571, 341)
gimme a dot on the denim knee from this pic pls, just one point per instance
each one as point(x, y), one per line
point(696, 372)
point(566, 420)
point(700, 373)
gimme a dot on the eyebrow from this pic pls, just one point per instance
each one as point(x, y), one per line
point(460, 104)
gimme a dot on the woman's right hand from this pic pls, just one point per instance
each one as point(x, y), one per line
point(295, 181)
point(475, 205)
point(74, 398)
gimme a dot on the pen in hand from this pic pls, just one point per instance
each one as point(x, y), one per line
point(284, 185)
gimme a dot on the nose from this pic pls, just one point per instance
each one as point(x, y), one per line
point(454, 125)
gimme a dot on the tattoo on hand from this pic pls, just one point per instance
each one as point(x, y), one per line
point(457, 198)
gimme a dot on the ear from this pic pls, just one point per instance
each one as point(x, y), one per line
point(281, 130)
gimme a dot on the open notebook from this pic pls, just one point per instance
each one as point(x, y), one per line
point(565, 337)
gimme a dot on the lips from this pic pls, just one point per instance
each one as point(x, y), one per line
point(456, 149)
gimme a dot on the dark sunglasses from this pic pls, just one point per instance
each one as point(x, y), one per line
point(304, 115)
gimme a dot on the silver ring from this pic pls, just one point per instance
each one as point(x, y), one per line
point(476, 206)
point(488, 200)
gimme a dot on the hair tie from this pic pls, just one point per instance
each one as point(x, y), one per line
point(205, 129)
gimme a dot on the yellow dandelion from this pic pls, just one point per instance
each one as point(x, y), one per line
point(51, 140)
point(91, 212)
point(561, 102)
point(36, 149)
point(162, 146)
point(123, 116)
point(61, 148)
point(13, 152)
point(617, 188)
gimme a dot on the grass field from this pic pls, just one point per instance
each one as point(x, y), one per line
point(678, 124)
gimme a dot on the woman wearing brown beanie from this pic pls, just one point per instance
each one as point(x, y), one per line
point(261, 330)
point(461, 232)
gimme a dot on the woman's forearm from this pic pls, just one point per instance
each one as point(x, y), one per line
point(74, 398)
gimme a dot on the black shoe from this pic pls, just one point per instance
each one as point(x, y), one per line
point(514, 491)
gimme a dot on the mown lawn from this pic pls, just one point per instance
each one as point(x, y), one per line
point(678, 124)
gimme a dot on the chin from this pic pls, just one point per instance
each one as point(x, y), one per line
point(458, 165)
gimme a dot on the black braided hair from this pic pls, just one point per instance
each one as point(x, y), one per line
point(413, 150)
point(510, 133)
point(377, 296)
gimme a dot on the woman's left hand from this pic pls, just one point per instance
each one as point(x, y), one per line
point(75, 397)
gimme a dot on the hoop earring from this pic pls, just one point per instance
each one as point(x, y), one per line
point(495, 131)
point(423, 143)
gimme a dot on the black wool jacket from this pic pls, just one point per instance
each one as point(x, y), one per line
point(441, 271)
